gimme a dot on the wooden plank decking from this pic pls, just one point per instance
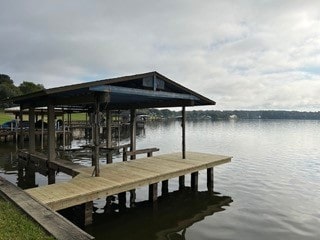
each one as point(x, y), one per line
point(124, 176)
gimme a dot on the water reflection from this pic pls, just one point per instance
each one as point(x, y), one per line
point(169, 219)
point(8, 163)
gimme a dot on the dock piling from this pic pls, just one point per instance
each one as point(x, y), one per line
point(88, 211)
point(181, 182)
point(122, 199)
point(164, 187)
point(210, 178)
point(133, 197)
point(194, 181)
point(153, 192)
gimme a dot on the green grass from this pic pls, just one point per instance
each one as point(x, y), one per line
point(77, 117)
point(15, 225)
point(5, 117)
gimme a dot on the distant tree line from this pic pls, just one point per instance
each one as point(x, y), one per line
point(238, 114)
point(8, 89)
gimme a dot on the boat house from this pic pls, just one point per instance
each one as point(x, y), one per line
point(148, 90)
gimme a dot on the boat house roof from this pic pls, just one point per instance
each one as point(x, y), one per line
point(147, 90)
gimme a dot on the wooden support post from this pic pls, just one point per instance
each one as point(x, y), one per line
point(122, 199)
point(20, 179)
point(165, 187)
point(210, 183)
point(96, 138)
point(153, 192)
point(69, 120)
point(16, 131)
point(183, 125)
point(194, 181)
point(51, 176)
point(181, 182)
point(124, 154)
point(51, 143)
point(30, 176)
point(88, 211)
point(51, 134)
point(42, 130)
point(109, 135)
point(133, 197)
point(21, 128)
point(64, 131)
point(86, 128)
point(133, 129)
point(32, 138)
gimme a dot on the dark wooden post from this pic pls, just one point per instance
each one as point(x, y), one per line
point(32, 139)
point(133, 128)
point(183, 125)
point(109, 135)
point(165, 187)
point(88, 210)
point(153, 192)
point(133, 133)
point(194, 181)
point(16, 131)
point(210, 175)
point(21, 127)
point(42, 130)
point(122, 199)
point(63, 130)
point(133, 197)
point(181, 182)
point(95, 154)
point(51, 143)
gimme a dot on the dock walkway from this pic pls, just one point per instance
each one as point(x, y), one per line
point(123, 176)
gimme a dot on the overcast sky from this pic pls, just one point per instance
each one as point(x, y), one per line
point(244, 54)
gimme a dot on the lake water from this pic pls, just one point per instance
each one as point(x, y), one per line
point(270, 190)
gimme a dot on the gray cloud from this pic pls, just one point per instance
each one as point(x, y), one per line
point(243, 54)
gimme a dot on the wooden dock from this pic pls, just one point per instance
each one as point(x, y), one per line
point(121, 177)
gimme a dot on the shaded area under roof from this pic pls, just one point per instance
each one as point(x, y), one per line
point(148, 90)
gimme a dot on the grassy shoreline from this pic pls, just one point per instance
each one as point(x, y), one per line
point(16, 225)
point(5, 117)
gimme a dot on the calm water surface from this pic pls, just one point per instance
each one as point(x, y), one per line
point(270, 190)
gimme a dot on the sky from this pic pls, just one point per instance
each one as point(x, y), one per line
point(243, 54)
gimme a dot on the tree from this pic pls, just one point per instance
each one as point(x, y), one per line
point(9, 90)
point(29, 87)
point(5, 79)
